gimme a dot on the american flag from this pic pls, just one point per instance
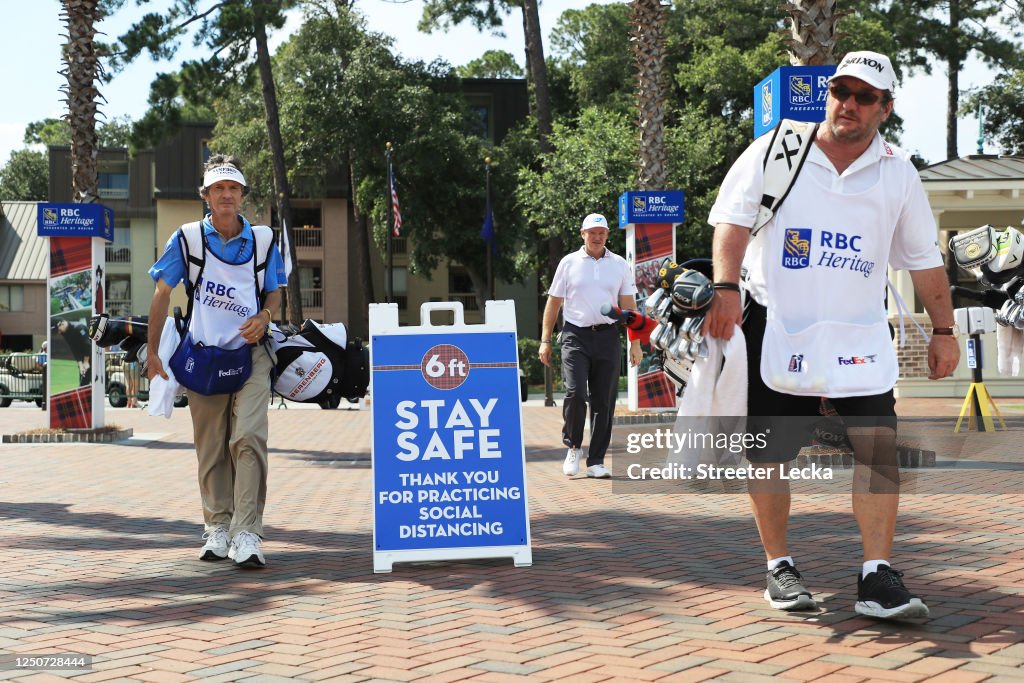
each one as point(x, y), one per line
point(395, 209)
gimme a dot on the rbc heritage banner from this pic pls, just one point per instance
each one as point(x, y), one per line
point(650, 220)
point(791, 92)
point(645, 206)
point(75, 220)
point(75, 367)
point(448, 460)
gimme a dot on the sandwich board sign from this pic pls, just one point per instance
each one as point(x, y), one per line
point(449, 464)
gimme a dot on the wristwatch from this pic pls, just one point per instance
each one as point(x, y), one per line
point(953, 332)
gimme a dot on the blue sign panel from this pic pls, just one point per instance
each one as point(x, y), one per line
point(791, 92)
point(664, 206)
point(75, 220)
point(447, 442)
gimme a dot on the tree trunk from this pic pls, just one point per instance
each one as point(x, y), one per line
point(364, 272)
point(648, 33)
point(295, 316)
point(537, 71)
point(82, 70)
point(812, 33)
point(954, 65)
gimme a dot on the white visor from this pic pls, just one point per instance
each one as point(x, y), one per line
point(226, 172)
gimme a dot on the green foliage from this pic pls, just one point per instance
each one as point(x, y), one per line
point(227, 30)
point(590, 48)
point(492, 64)
point(1004, 110)
point(591, 164)
point(115, 132)
point(531, 366)
point(181, 96)
point(483, 14)
point(112, 133)
point(48, 132)
point(25, 177)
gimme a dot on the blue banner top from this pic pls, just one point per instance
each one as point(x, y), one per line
point(659, 206)
point(75, 220)
point(791, 92)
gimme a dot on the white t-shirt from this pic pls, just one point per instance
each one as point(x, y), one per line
point(586, 283)
point(915, 237)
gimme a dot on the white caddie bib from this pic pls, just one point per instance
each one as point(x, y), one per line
point(825, 268)
point(225, 298)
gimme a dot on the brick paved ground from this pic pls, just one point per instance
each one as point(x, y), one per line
point(98, 556)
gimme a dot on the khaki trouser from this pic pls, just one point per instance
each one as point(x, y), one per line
point(231, 443)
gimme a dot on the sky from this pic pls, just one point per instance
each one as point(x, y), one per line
point(30, 54)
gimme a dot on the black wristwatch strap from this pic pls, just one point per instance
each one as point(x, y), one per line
point(731, 286)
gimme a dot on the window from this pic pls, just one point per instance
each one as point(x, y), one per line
point(120, 249)
point(119, 295)
point(310, 284)
point(459, 281)
point(113, 180)
point(400, 279)
point(12, 298)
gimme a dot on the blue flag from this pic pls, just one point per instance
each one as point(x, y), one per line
point(487, 231)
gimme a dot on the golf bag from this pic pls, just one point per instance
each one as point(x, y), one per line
point(319, 364)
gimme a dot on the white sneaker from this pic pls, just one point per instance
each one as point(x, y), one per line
point(245, 550)
point(571, 466)
point(599, 472)
point(216, 547)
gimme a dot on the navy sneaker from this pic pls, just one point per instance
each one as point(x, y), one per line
point(883, 595)
point(785, 591)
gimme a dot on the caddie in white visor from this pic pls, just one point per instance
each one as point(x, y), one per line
point(225, 172)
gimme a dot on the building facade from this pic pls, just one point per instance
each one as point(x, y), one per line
point(155, 191)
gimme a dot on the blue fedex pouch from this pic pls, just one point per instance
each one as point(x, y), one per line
point(210, 370)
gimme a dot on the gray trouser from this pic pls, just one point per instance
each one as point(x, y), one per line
point(590, 369)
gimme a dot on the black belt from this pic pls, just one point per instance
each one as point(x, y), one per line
point(595, 328)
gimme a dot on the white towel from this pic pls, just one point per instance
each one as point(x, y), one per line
point(717, 388)
point(162, 391)
point(714, 402)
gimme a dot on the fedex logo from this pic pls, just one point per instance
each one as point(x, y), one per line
point(857, 360)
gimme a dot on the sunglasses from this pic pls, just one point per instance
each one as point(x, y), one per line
point(841, 93)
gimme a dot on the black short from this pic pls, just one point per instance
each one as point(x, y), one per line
point(789, 422)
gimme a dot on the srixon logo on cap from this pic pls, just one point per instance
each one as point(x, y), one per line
point(866, 61)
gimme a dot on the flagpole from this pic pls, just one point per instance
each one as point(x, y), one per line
point(489, 245)
point(389, 282)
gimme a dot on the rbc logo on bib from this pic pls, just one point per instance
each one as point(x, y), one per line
point(796, 251)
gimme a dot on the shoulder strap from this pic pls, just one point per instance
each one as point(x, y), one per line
point(786, 154)
point(190, 239)
point(265, 240)
point(193, 250)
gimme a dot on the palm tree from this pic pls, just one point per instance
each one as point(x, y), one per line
point(647, 20)
point(812, 32)
point(82, 70)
